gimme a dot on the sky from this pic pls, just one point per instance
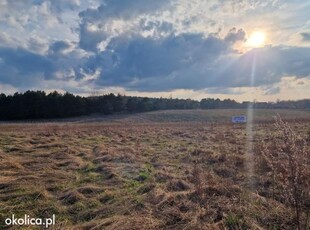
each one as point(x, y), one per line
point(164, 48)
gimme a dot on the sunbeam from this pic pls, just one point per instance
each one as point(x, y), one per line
point(249, 127)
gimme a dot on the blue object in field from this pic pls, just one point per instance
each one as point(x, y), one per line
point(239, 119)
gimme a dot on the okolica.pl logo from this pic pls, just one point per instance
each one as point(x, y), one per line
point(27, 220)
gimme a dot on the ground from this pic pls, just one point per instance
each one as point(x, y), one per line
point(158, 170)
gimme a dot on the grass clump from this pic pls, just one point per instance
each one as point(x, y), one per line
point(234, 222)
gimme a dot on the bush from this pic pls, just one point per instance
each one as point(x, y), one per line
point(287, 156)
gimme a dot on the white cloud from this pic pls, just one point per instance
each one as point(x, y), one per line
point(7, 89)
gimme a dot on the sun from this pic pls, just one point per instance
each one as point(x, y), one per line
point(256, 39)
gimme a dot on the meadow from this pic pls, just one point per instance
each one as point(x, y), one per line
point(156, 170)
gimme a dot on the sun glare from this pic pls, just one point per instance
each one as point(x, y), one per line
point(256, 39)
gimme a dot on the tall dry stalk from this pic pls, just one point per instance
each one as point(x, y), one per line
point(287, 154)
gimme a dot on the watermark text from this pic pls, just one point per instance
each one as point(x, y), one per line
point(27, 220)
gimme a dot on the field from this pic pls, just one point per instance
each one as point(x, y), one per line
point(158, 170)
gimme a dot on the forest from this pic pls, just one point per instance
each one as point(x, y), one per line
point(40, 105)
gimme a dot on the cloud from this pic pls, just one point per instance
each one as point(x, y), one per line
point(230, 91)
point(37, 45)
point(151, 46)
point(234, 35)
point(305, 36)
point(272, 90)
point(189, 61)
point(25, 61)
point(33, 24)
point(156, 28)
point(271, 65)
point(54, 5)
point(124, 9)
point(19, 66)
point(7, 89)
point(59, 47)
point(192, 61)
point(89, 38)
point(150, 64)
point(4, 39)
point(99, 24)
point(60, 5)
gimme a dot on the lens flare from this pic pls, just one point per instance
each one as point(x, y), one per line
point(249, 129)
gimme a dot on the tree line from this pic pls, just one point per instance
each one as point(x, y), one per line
point(40, 105)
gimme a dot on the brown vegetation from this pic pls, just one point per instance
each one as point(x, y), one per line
point(288, 161)
point(143, 176)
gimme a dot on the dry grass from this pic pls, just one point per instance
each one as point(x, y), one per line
point(288, 161)
point(139, 176)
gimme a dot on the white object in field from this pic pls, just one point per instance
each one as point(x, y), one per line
point(238, 119)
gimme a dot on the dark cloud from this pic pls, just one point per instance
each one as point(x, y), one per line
point(159, 27)
point(25, 61)
point(235, 35)
point(192, 61)
point(185, 61)
point(59, 47)
point(271, 64)
point(305, 36)
point(89, 39)
point(20, 67)
point(60, 5)
point(124, 9)
point(149, 64)
point(110, 10)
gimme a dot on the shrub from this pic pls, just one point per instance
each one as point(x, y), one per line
point(286, 154)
